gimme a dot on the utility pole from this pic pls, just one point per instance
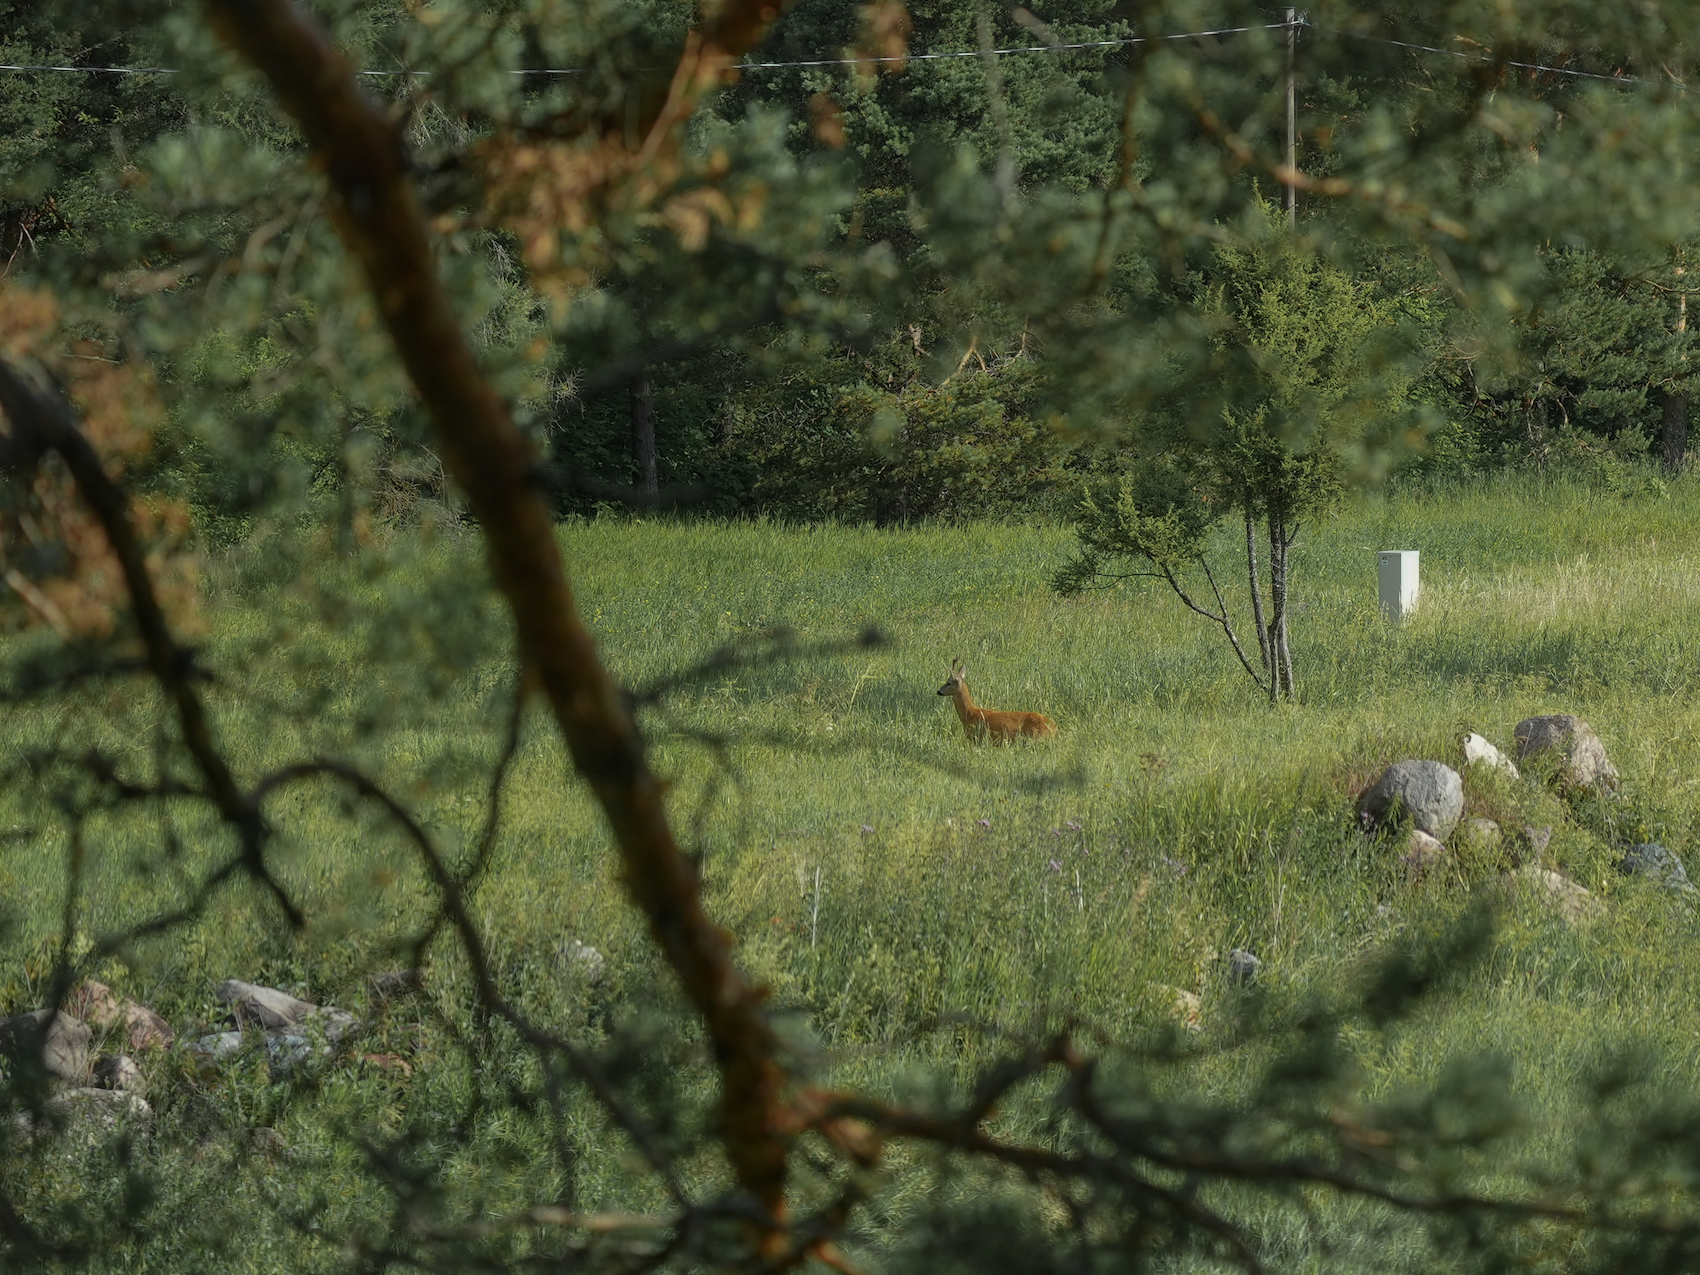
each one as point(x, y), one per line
point(1292, 124)
point(1676, 401)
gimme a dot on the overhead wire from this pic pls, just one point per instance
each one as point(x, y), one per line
point(1059, 47)
point(746, 66)
point(1483, 57)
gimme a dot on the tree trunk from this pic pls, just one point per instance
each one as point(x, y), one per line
point(1676, 431)
point(1281, 674)
point(643, 439)
point(1257, 600)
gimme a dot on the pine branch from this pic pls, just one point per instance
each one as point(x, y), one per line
point(378, 213)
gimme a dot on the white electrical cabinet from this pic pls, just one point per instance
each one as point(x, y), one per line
point(1398, 582)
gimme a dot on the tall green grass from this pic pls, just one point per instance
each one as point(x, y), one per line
point(911, 899)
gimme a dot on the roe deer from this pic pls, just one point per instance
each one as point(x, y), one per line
point(982, 724)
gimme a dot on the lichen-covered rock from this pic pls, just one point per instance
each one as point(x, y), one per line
point(1429, 793)
point(104, 1010)
point(87, 1115)
point(276, 1010)
point(59, 1041)
point(1480, 836)
point(1479, 752)
point(1575, 903)
point(1581, 757)
point(1655, 864)
point(118, 1071)
point(1422, 853)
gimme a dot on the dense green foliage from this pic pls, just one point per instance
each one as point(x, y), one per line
point(116, 176)
point(1312, 379)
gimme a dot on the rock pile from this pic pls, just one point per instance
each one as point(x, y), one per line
point(92, 1094)
point(58, 1044)
point(294, 1031)
point(1427, 799)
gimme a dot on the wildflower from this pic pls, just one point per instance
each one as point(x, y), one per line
point(1054, 866)
point(1072, 824)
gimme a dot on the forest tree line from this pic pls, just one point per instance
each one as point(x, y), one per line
point(915, 388)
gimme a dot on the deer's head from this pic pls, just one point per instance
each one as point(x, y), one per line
point(958, 679)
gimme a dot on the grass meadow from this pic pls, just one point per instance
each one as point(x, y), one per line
point(912, 901)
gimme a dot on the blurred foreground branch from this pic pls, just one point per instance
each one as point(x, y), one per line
point(381, 221)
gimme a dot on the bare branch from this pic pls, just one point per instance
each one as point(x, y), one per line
point(42, 422)
point(472, 944)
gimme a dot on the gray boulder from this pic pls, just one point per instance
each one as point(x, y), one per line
point(87, 1115)
point(118, 1071)
point(216, 1048)
point(1243, 967)
point(1654, 864)
point(102, 1008)
point(276, 1010)
point(1479, 835)
point(59, 1041)
point(1581, 757)
point(1430, 795)
point(265, 1006)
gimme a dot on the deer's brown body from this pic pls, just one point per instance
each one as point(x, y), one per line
point(988, 725)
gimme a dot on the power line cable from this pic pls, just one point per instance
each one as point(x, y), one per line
point(742, 66)
point(1032, 48)
point(951, 54)
point(1482, 57)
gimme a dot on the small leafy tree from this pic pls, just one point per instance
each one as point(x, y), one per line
point(1307, 367)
